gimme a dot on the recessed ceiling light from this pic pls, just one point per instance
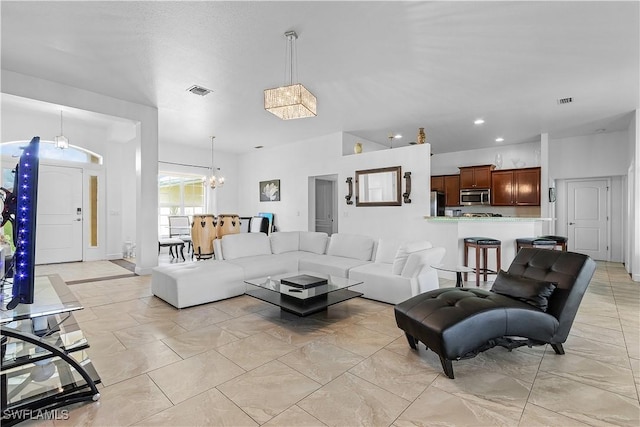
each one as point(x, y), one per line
point(478, 121)
point(259, 146)
point(397, 136)
point(499, 139)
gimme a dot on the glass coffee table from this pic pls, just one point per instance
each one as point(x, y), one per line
point(302, 301)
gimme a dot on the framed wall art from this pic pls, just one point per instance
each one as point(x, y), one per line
point(270, 191)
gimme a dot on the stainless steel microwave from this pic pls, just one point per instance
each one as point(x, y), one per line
point(475, 197)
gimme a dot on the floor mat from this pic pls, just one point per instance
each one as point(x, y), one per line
point(125, 264)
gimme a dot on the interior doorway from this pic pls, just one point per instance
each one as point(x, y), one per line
point(325, 204)
point(588, 217)
point(59, 235)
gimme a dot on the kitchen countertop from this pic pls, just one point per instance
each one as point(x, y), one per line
point(484, 219)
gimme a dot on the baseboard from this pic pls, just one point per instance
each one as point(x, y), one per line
point(114, 256)
point(635, 277)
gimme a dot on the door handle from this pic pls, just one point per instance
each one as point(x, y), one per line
point(79, 219)
point(571, 223)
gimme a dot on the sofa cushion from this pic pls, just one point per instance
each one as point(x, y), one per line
point(285, 241)
point(380, 284)
point(187, 284)
point(404, 251)
point(266, 265)
point(313, 241)
point(351, 246)
point(328, 264)
point(531, 291)
point(244, 245)
point(386, 250)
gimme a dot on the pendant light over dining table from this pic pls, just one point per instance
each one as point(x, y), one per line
point(293, 100)
point(216, 179)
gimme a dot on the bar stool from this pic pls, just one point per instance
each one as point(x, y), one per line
point(482, 244)
point(534, 242)
point(560, 241)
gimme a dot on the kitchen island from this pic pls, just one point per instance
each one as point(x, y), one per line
point(449, 233)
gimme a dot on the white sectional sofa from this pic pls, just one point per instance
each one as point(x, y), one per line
point(391, 272)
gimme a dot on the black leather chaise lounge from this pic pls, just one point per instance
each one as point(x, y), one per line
point(534, 303)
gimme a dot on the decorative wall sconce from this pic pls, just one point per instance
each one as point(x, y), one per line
point(350, 191)
point(407, 177)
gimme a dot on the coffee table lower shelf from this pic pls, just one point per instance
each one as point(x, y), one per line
point(302, 307)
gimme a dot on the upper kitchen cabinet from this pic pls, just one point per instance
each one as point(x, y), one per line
point(476, 176)
point(515, 187)
point(450, 186)
point(437, 183)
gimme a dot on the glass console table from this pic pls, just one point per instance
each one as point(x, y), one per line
point(44, 362)
point(458, 269)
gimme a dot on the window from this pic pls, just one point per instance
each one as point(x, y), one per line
point(179, 195)
point(49, 151)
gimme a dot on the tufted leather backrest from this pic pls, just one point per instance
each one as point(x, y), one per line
point(571, 271)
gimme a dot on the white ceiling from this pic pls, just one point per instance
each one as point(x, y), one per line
point(375, 67)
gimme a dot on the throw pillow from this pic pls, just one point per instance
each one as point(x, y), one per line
point(531, 291)
point(404, 251)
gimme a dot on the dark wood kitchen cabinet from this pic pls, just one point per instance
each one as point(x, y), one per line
point(475, 176)
point(437, 183)
point(450, 185)
point(515, 187)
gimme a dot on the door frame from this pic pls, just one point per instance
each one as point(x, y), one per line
point(607, 229)
point(312, 200)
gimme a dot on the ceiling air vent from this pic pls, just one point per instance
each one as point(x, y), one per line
point(199, 90)
point(562, 101)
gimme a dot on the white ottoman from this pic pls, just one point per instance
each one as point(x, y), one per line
point(184, 285)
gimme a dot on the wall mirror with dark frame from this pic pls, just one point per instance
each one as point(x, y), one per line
point(379, 187)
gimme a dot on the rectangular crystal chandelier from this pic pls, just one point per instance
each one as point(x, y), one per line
point(290, 102)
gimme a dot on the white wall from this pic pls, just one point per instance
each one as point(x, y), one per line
point(589, 156)
point(448, 163)
point(146, 141)
point(293, 164)
point(127, 193)
point(601, 155)
point(632, 256)
point(23, 124)
point(349, 140)
point(404, 222)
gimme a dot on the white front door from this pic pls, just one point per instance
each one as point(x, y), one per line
point(59, 215)
point(324, 206)
point(587, 218)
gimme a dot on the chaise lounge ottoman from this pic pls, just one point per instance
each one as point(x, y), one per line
point(184, 285)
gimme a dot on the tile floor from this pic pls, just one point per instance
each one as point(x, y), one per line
point(241, 362)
